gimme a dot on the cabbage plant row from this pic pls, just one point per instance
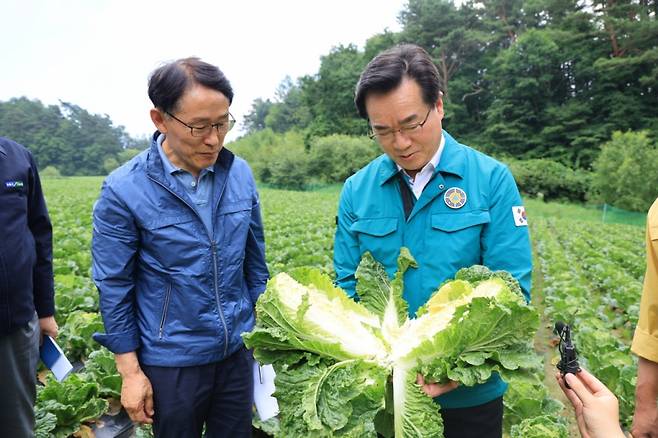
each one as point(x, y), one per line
point(592, 280)
point(585, 277)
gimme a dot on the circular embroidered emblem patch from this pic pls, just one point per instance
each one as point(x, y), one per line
point(455, 197)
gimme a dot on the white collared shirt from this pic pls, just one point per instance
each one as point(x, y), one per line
point(421, 179)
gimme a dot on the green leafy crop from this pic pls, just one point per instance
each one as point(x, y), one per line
point(72, 401)
point(343, 368)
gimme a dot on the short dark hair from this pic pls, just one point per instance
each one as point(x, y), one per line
point(386, 71)
point(168, 82)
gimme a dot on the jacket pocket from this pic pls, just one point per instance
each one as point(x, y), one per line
point(165, 309)
point(653, 232)
point(15, 201)
point(167, 221)
point(377, 227)
point(235, 206)
point(232, 230)
point(455, 238)
point(378, 236)
point(452, 222)
point(165, 242)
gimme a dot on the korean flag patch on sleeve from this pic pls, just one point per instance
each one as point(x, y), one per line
point(520, 218)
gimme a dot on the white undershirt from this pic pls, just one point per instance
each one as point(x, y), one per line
point(421, 179)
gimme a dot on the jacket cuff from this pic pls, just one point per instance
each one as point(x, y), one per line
point(349, 287)
point(45, 309)
point(645, 345)
point(118, 342)
point(256, 292)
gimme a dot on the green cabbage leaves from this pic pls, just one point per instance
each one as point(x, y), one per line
point(349, 369)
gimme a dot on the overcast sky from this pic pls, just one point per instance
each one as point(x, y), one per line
point(98, 53)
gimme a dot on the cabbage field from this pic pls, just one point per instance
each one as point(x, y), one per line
point(586, 273)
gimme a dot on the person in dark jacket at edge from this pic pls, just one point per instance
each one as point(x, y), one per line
point(178, 257)
point(27, 305)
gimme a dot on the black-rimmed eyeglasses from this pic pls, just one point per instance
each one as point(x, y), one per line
point(387, 133)
point(202, 131)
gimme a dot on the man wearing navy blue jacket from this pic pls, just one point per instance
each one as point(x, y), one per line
point(179, 261)
point(26, 286)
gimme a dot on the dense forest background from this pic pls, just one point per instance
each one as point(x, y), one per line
point(563, 91)
point(531, 78)
point(545, 85)
point(66, 139)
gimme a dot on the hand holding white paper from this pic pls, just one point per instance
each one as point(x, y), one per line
point(266, 405)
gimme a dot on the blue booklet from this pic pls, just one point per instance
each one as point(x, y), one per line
point(53, 357)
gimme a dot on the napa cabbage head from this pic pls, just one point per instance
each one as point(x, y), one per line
point(323, 343)
point(465, 332)
point(329, 355)
point(383, 296)
point(317, 317)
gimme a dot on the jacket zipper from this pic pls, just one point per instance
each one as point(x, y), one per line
point(214, 257)
point(165, 308)
point(219, 308)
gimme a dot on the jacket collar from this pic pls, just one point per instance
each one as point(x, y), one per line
point(155, 166)
point(2, 150)
point(452, 161)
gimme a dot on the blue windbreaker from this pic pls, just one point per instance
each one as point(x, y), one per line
point(170, 290)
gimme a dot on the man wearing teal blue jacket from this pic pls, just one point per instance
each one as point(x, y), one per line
point(452, 206)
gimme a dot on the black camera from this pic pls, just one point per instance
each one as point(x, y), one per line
point(568, 354)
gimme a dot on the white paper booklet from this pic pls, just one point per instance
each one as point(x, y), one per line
point(266, 405)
